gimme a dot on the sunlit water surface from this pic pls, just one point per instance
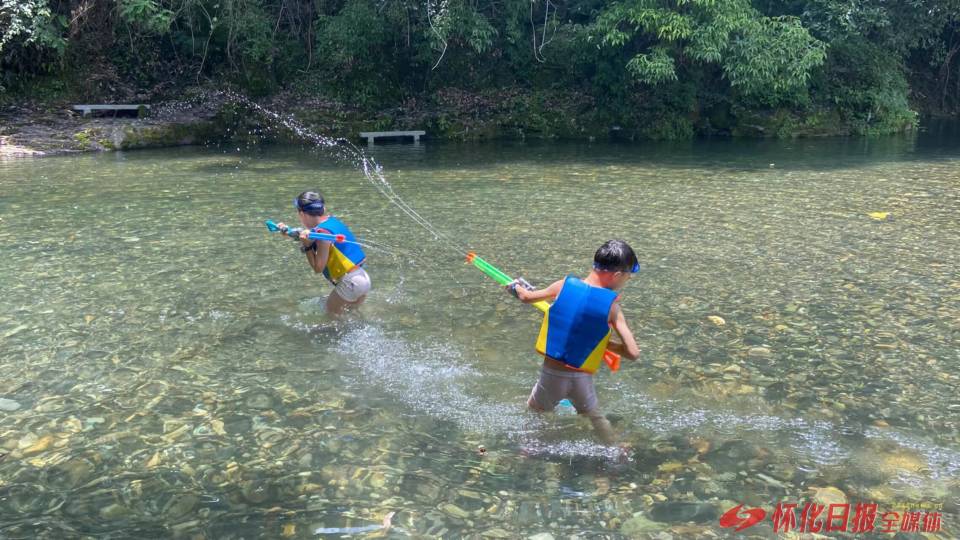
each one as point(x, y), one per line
point(168, 368)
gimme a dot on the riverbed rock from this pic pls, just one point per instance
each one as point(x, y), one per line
point(828, 495)
point(640, 524)
point(717, 320)
point(113, 511)
point(259, 401)
point(42, 444)
point(70, 474)
point(903, 461)
point(180, 506)
point(8, 405)
point(454, 511)
point(680, 512)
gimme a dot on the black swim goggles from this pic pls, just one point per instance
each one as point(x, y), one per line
point(634, 270)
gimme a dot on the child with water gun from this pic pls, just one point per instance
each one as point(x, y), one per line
point(576, 331)
point(340, 258)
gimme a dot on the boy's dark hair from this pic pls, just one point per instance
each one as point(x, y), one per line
point(615, 256)
point(310, 202)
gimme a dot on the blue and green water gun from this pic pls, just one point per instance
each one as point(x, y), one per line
point(294, 232)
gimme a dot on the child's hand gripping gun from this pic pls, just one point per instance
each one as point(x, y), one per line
point(294, 232)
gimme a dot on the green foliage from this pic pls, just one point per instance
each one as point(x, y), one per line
point(456, 20)
point(352, 34)
point(768, 57)
point(31, 39)
point(660, 68)
point(773, 58)
point(146, 15)
point(346, 41)
point(653, 67)
point(919, 37)
point(251, 45)
point(867, 88)
point(28, 22)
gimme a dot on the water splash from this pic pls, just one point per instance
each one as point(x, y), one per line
point(434, 380)
point(818, 441)
point(343, 150)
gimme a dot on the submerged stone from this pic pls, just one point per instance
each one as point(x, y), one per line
point(454, 511)
point(717, 320)
point(8, 405)
point(640, 524)
point(828, 495)
point(41, 445)
point(681, 512)
point(259, 400)
point(113, 511)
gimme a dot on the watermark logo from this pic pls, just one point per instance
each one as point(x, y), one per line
point(732, 518)
point(815, 518)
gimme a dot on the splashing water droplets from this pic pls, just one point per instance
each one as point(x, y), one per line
point(343, 150)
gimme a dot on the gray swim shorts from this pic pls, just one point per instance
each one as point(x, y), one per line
point(354, 285)
point(555, 385)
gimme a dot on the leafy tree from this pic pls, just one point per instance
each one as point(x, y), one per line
point(660, 65)
point(30, 37)
point(760, 56)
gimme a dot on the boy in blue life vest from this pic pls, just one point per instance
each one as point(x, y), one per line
point(576, 331)
point(340, 262)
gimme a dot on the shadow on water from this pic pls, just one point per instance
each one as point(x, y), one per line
point(229, 165)
point(936, 140)
point(719, 155)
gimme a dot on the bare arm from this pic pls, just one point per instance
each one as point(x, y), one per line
point(629, 346)
point(550, 293)
point(316, 259)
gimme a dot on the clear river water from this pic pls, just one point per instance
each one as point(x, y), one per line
point(168, 368)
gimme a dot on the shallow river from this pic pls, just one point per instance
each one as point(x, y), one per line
point(168, 369)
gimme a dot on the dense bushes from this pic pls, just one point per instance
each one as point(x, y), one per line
point(662, 68)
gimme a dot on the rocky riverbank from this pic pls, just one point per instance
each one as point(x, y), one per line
point(36, 131)
point(207, 116)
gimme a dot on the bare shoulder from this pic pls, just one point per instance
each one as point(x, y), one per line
point(554, 288)
point(615, 312)
point(556, 284)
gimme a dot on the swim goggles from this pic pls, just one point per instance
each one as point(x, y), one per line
point(634, 270)
point(315, 206)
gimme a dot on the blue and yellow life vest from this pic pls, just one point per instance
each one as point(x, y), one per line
point(344, 256)
point(576, 328)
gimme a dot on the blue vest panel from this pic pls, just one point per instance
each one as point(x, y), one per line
point(576, 328)
point(344, 256)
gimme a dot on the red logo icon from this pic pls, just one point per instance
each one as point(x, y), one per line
point(732, 518)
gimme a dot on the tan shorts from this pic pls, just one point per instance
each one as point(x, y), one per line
point(353, 285)
point(555, 385)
